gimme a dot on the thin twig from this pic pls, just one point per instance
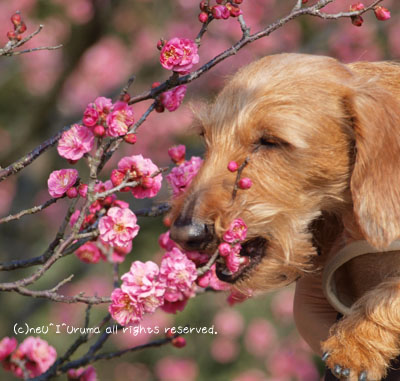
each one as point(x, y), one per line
point(19, 52)
point(32, 210)
point(202, 270)
point(239, 173)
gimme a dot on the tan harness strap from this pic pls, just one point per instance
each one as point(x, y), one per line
point(349, 252)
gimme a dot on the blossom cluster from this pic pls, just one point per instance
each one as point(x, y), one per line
point(182, 175)
point(140, 170)
point(222, 10)
point(381, 13)
point(19, 27)
point(230, 248)
point(35, 354)
point(146, 287)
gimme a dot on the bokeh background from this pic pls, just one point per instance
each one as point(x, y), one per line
point(105, 42)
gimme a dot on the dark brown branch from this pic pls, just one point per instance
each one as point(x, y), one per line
point(31, 156)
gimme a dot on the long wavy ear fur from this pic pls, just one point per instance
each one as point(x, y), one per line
point(375, 182)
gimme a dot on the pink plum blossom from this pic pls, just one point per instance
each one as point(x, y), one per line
point(178, 273)
point(60, 181)
point(177, 153)
point(103, 106)
point(141, 285)
point(7, 346)
point(140, 170)
point(88, 253)
point(37, 354)
point(179, 54)
point(118, 227)
point(140, 278)
point(237, 231)
point(181, 176)
point(82, 374)
point(123, 309)
point(120, 119)
point(172, 99)
point(75, 142)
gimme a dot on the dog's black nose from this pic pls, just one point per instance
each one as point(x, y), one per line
point(191, 235)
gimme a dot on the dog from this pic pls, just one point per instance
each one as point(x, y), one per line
point(322, 141)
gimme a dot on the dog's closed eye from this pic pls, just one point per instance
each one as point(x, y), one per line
point(269, 142)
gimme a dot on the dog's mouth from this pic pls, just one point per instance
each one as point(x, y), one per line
point(251, 254)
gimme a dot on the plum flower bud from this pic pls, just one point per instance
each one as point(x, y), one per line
point(11, 35)
point(203, 17)
point(60, 181)
point(160, 43)
point(179, 342)
point(22, 28)
point(99, 131)
point(357, 7)
point(220, 12)
point(234, 11)
point(16, 19)
point(82, 190)
point(179, 55)
point(224, 249)
point(177, 153)
point(72, 192)
point(382, 13)
point(203, 5)
point(233, 166)
point(130, 138)
point(241, 1)
point(245, 183)
point(357, 20)
point(90, 116)
point(172, 99)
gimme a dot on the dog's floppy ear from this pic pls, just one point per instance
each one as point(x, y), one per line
point(375, 182)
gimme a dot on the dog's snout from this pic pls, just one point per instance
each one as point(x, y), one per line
point(191, 235)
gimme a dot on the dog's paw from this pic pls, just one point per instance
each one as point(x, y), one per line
point(352, 355)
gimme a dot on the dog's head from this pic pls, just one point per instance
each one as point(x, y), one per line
point(318, 136)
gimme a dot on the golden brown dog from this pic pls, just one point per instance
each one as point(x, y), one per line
point(323, 143)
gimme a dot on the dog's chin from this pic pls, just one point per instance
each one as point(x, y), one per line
point(253, 250)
